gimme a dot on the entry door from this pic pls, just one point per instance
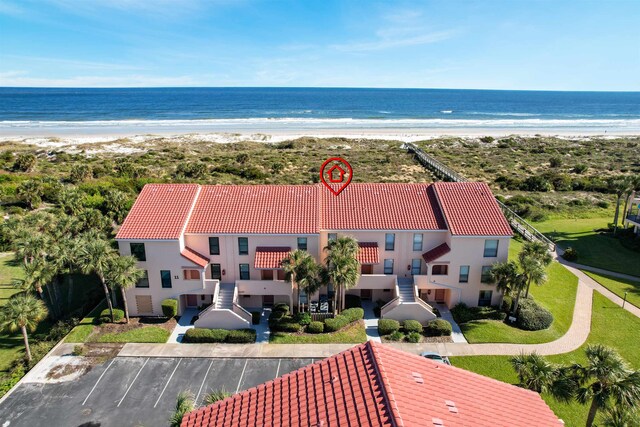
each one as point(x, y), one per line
point(440, 295)
point(267, 300)
point(365, 294)
point(366, 269)
point(192, 300)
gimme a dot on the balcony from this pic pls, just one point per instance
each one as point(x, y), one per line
point(263, 287)
point(376, 281)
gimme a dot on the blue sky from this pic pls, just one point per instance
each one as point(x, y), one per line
point(491, 44)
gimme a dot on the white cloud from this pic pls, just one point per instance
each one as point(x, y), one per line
point(390, 38)
point(73, 63)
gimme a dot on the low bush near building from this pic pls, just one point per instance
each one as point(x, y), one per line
point(463, 313)
point(570, 254)
point(280, 307)
point(315, 328)
point(507, 304)
point(255, 317)
point(170, 308)
point(396, 336)
point(438, 328)
point(353, 314)
point(335, 324)
point(241, 336)
point(105, 316)
point(412, 326)
point(413, 337)
point(302, 318)
point(287, 324)
point(532, 317)
point(352, 301)
point(388, 326)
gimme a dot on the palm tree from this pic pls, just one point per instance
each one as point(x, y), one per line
point(633, 184)
point(302, 271)
point(343, 269)
point(617, 416)
point(184, 404)
point(309, 278)
point(96, 256)
point(504, 274)
point(618, 186)
point(606, 377)
point(23, 311)
point(37, 274)
point(538, 252)
point(115, 202)
point(532, 272)
point(292, 266)
point(216, 396)
point(123, 273)
point(537, 374)
point(30, 192)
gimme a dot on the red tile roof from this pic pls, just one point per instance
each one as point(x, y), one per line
point(160, 212)
point(436, 253)
point(374, 384)
point(368, 253)
point(470, 209)
point(262, 209)
point(163, 211)
point(195, 257)
point(270, 257)
point(381, 207)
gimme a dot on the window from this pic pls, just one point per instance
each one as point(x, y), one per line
point(332, 236)
point(302, 243)
point(216, 272)
point(191, 274)
point(243, 245)
point(143, 282)
point(490, 248)
point(417, 242)
point(388, 266)
point(464, 274)
point(440, 270)
point(389, 241)
point(244, 271)
point(484, 300)
point(486, 274)
point(214, 246)
point(416, 266)
point(165, 277)
point(137, 250)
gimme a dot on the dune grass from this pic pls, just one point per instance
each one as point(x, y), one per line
point(610, 326)
point(594, 249)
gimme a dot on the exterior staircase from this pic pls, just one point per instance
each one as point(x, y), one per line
point(225, 296)
point(406, 291)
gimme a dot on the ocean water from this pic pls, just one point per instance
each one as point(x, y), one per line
point(310, 108)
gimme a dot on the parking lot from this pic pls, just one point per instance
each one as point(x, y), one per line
point(133, 391)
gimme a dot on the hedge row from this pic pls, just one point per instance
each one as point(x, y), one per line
point(105, 316)
point(412, 329)
point(203, 335)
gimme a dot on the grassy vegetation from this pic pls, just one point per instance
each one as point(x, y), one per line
point(619, 286)
point(10, 344)
point(147, 334)
point(594, 248)
point(83, 329)
point(610, 326)
point(354, 333)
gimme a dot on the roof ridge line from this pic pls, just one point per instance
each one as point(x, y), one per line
point(395, 417)
point(193, 205)
point(444, 214)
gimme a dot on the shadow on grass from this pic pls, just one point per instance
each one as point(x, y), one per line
point(153, 320)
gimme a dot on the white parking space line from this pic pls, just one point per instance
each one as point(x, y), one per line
point(96, 384)
point(203, 381)
point(168, 381)
point(242, 375)
point(134, 380)
point(278, 370)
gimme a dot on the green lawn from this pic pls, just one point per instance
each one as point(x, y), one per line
point(83, 329)
point(147, 334)
point(619, 286)
point(10, 344)
point(351, 334)
point(594, 249)
point(557, 295)
point(610, 325)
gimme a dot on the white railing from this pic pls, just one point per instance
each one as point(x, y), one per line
point(389, 306)
point(216, 291)
point(237, 309)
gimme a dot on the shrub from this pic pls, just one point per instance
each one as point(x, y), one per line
point(532, 317)
point(255, 317)
point(438, 328)
point(353, 314)
point(282, 307)
point(580, 168)
point(352, 301)
point(170, 308)
point(376, 311)
point(436, 311)
point(412, 326)
point(555, 161)
point(570, 254)
point(287, 325)
point(315, 328)
point(507, 303)
point(241, 336)
point(105, 316)
point(25, 162)
point(203, 335)
point(413, 337)
point(396, 336)
point(335, 324)
point(388, 326)
point(78, 350)
point(487, 139)
point(302, 318)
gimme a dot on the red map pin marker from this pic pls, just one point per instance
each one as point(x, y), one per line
point(338, 174)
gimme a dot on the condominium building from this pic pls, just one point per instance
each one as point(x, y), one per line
point(220, 247)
